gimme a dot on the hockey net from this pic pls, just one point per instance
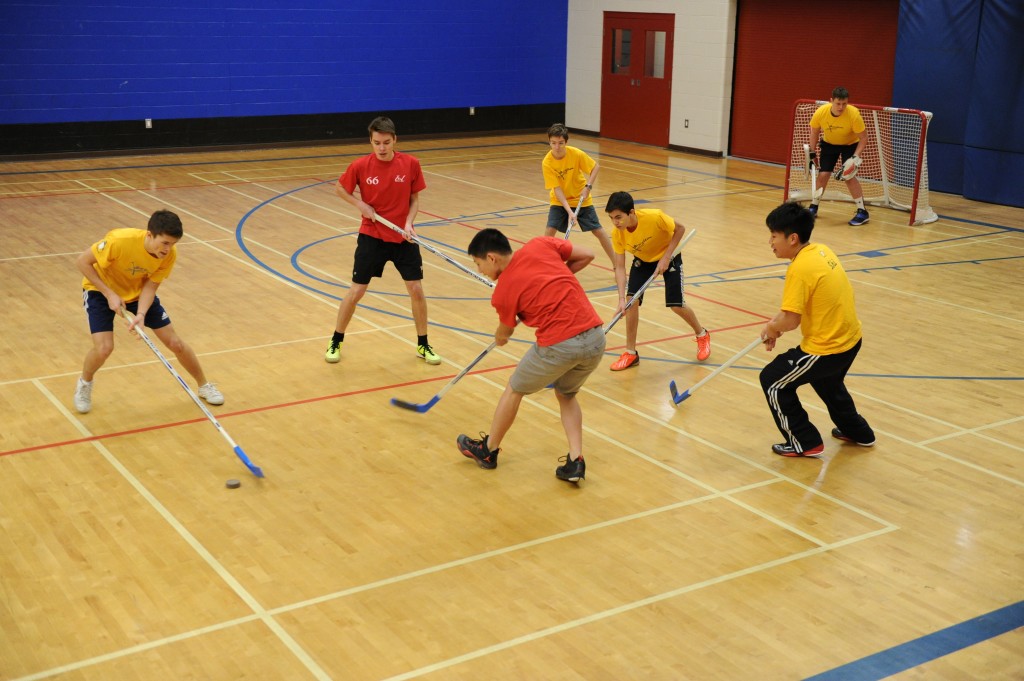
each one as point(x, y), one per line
point(894, 160)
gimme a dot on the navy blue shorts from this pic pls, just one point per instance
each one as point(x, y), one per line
point(372, 254)
point(101, 317)
point(586, 220)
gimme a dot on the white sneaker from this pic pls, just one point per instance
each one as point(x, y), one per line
point(83, 396)
point(210, 393)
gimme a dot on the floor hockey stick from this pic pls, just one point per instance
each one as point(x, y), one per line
point(812, 170)
point(422, 408)
point(575, 217)
point(444, 256)
point(256, 470)
point(678, 397)
point(639, 292)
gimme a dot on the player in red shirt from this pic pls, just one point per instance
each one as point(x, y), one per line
point(537, 285)
point(389, 184)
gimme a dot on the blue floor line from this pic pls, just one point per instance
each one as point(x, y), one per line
point(927, 648)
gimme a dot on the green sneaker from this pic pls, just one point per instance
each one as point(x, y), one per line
point(427, 354)
point(333, 353)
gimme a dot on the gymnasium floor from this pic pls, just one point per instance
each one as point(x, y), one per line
point(374, 550)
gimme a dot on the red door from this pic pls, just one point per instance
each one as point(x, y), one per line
point(636, 85)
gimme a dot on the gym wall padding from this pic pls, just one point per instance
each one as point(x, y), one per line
point(994, 138)
point(963, 60)
point(794, 49)
point(934, 70)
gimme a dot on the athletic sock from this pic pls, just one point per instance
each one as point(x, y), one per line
point(860, 203)
point(814, 202)
point(702, 333)
point(422, 340)
point(338, 337)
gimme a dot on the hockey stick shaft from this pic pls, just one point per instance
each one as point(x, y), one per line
point(421, 408)
point(444, 256)
point(575, 217)
point(635, 296)
point(678, 397)
point(195, 398)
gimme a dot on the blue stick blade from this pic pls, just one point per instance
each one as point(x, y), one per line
point(424, 407)
point(682, 396)
point(672, 389)
point(256, 470)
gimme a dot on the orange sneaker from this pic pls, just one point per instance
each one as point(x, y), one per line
point(626, 360)
point(703, 345)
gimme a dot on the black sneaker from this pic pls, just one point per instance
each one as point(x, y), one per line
point(838, 434)
point(786, 449)
point(571, 471)
point(814, 209)
point(478, 451)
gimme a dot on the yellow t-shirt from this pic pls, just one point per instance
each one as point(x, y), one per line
point(818, 289)
point(569, 173)
point(125, 265)
point(839, 130)
point(650, 239)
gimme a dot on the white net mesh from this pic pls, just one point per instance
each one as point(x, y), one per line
point(894, 168)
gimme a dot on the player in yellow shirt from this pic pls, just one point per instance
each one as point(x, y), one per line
point(817, 299)
point(125, 269)
point(651, 237)
point(569, 174)
point(843, 134)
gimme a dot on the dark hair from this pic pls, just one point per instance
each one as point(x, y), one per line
point(791, 218)
point(619, 201)
point(487, 241)
point(840, 93)
point(382, 124)
point(559, 130)
point(165, 222)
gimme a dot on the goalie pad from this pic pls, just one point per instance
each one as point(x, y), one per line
point(848, 171)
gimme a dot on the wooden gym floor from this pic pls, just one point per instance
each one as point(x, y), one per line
point(374, 550)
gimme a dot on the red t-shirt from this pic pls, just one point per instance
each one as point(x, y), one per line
point(538, 287)
point(387, 186)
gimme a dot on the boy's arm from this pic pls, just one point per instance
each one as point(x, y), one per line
point(85, 263)
point(579, 258)
point(365, 209)
point(779, 324)
point(560, 195)
point(619, 262)
point(591, 179)
point(146, 297)
point(502, 334)
point(673, 244)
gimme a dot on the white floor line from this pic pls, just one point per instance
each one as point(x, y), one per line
point(612, 612)
point(222, 572)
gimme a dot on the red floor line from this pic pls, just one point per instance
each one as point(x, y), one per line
point(242, 412)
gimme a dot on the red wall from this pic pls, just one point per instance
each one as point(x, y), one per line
point(788, 50)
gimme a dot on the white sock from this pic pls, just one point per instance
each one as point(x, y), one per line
point(702, 333)
point(860, 203)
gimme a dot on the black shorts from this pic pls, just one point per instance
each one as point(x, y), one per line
point(373, 253)
point(101, 317)
point(830, 153)
point(642, 270)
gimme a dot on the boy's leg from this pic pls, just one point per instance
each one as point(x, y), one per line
point(632, 326)
point(102, 346)
point(419, 305)
point(841, 408)
point(347, 306)
point(504, 416)
point(558, 221)
point(182, 351)
point(779, 381)
point(572, 423)
point(606, 242)
point(690, 317)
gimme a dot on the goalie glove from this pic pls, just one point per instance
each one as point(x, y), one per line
point(849, 169)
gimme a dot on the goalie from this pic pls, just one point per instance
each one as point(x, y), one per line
point(843, 135)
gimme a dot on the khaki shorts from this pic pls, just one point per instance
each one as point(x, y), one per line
point(564, 365)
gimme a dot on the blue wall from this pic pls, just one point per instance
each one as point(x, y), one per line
point(86, 60)
point(963, 60)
